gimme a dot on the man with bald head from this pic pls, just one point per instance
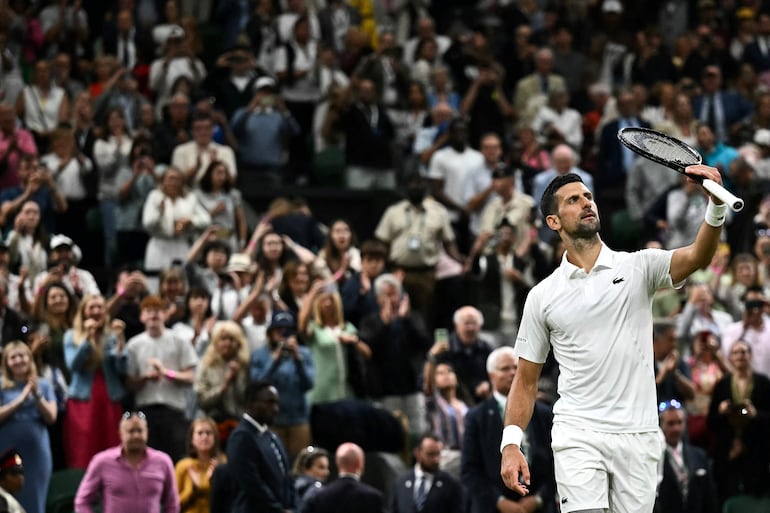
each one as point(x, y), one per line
point(15, 142)
point(129, 477)
point(347, 494)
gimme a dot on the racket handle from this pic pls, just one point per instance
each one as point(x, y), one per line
point(735, 203)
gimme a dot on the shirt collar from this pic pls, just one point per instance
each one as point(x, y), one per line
point(500, 398)
point(419, 473)
point(604, 260)
point(260, 427)
point(350, 475)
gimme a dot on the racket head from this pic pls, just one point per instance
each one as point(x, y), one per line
point(659, 147)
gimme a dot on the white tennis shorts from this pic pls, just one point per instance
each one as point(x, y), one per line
point(605, 470)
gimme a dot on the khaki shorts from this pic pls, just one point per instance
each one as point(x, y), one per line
point(605, 470)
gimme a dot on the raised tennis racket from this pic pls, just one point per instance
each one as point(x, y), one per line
point(674, 154)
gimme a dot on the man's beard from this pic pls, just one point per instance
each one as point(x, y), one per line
point(586, 231)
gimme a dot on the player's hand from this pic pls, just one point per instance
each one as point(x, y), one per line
point(706, 172)
point(513, 464)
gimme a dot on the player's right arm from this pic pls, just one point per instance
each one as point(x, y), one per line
point(518, 412)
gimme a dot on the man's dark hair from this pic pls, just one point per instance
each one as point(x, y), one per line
point(254, 388)
point(548, 203)
point(426, 436)
point(755, 289)
point(202, 116)
point(216, 245)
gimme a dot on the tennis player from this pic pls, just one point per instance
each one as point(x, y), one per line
point(595, 312)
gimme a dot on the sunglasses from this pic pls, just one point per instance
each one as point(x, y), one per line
point(673, 404)
point(138, 414)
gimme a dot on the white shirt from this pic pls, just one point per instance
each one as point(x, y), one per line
point(454, 169)
point(599, 325)
point(420, 475)
point(41, 113)
point(758, 339)
point(13, 504)
point(186, 155)
point(75, 279)
point(260, 427)
point(305, 89)
point(162, 224)
point(569, 122)
point(285, 25)
point(69, 179)
point(162, 77)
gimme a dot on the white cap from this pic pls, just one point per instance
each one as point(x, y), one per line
point(612, 6)
point(61, 240)
point(762, 137)
point(264, 82)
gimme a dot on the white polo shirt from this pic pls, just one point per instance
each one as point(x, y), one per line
point(455, 169)
point(600, 327)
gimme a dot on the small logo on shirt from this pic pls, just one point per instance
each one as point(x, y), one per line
point(564, 500)
point(617, 280)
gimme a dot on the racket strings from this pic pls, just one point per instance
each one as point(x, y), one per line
point(662, 147)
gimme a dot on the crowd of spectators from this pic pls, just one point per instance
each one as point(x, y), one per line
point(134, 133)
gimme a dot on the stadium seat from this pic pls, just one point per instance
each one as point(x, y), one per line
point(62, 489)
point(625, 232)
point(328, 167)
point(747, 504)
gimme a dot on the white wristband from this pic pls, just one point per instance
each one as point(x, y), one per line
point(715, 214)
point(512, 435)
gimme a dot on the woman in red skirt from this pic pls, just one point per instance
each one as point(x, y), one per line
point(96, 358)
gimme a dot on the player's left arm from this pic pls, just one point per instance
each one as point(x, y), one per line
point(688, 259)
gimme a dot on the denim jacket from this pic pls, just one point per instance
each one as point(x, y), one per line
point(114, 367)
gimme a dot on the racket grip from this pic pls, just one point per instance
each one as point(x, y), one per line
point(735, 203)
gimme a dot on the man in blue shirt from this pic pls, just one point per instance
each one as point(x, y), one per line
point(262, 129)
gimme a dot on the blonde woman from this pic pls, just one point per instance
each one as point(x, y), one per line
point(223, 373)
point(193, 474)
point(329, 336)
point(27, 406)
point(171, 216)
point(93, 350)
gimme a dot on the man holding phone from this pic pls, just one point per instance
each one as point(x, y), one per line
point(466, 351)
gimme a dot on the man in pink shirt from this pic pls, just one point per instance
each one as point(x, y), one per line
point(14, 142)
point(129, 477)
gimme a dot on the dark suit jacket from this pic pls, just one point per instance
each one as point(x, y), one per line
point(261, 485)
point(701, 494)
point(346, 495)
point(734, 106)
point(481, 457)
point(14, 327)
point(142, 42)
point(355, 305)
point(753, 55)
point(445, 495)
